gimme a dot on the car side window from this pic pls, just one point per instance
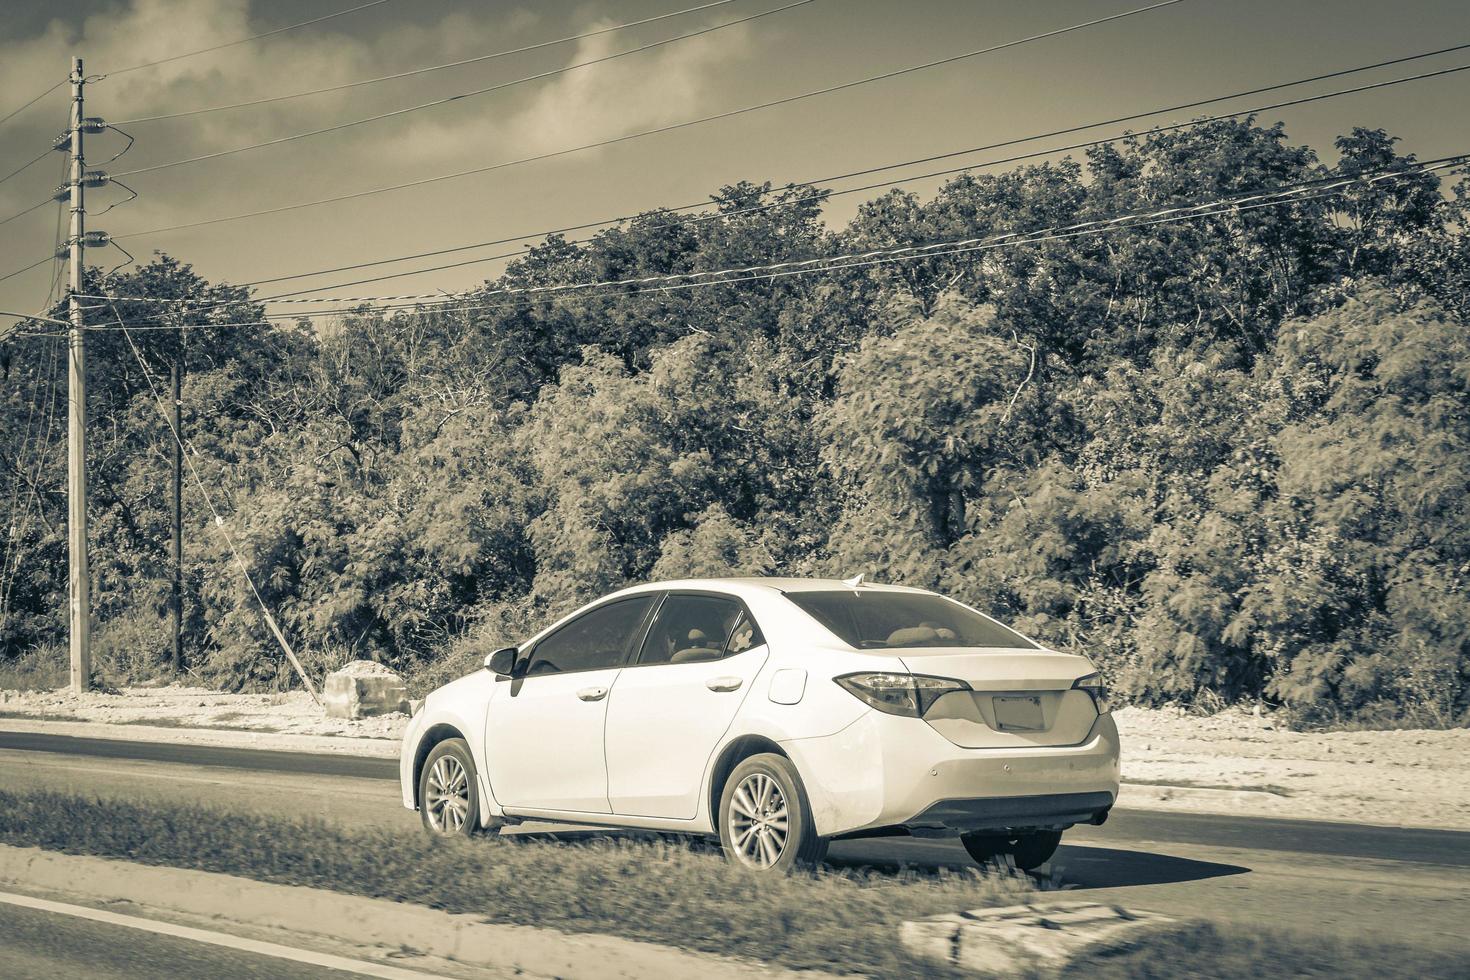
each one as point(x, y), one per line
point(745, 636)
point(693, 628)
point(594, 641)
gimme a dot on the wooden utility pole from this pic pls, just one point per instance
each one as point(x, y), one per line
point(176, 545)
point(76, 412)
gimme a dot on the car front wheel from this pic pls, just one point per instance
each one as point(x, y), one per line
point(449, 799)
point(765, 820)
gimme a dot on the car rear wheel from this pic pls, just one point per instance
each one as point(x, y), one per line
point(765, 820)
point(1030, 851)
point(449, 799)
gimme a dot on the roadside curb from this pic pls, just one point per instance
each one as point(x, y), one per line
point(516, 950)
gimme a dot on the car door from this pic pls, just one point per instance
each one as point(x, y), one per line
point(669, 708)
point(544, 729)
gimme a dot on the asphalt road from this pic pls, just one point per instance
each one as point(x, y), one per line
point(1325, 878)
point(43, 945)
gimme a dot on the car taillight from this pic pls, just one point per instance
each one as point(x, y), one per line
point(908, 695)
point(1096, 689)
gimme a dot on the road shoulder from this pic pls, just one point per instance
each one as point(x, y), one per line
point(389, 929)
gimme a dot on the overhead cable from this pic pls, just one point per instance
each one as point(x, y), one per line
point(1246, 200)
point(12, 275)
point(430, 68)
point(21, 214)
point(243, 40)
point(27, 165)
point(463, 95)
point(479, 170)
point(219, 521)
point(459, 305)
point(821, 194)
point(854, 173)
point(30, 102)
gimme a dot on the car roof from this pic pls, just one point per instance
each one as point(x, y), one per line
point(764, 584)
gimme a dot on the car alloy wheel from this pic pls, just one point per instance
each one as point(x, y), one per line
point(759, 823)
point(448, 799)
point(765, 820)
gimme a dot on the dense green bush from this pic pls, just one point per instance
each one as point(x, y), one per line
point(1227, 457)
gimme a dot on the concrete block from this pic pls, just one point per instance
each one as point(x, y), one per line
point(1026, 938)
point(362, 689)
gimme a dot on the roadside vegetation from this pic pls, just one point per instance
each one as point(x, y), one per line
point(676, 894)
point(672, 893)
point(1226, 457)
point(1232, 952)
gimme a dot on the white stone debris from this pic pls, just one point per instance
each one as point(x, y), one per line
point(1022, 938)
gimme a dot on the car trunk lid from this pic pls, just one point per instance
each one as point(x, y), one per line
point(1018, 698)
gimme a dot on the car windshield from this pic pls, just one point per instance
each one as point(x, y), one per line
point(873, 620)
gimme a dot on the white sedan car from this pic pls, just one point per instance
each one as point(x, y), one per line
point(777, 714)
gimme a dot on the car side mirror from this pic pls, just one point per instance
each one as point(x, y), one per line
point(502, 661)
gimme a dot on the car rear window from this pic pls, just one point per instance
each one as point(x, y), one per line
point(876, 620)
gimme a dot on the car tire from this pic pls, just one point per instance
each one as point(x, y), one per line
point(1029, 851)
point(449, 794)
point(1033, 850)
point(765, 819)
point(984, 848)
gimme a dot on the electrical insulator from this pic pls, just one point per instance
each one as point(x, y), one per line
point(93, 178)
point(92, 239)
point(92, 124)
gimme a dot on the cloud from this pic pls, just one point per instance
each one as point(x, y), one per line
point(642, 91)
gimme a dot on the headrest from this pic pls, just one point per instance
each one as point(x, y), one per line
point(912, 636)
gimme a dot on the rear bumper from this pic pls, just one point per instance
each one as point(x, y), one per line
point(888, 772)
point(1013, 812)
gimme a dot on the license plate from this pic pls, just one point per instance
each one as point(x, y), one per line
point(1019, 713)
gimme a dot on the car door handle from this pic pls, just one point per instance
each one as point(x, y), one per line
point(723, 683)
point(592, 693)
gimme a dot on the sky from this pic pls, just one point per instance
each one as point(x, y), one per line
point(1193, 49)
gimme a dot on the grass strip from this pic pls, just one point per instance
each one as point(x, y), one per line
point(1237, 952)
point(659, 891)
point(653, 890)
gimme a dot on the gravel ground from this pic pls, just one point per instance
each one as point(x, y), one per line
point(1415, 778)
point(196, 707)
point(1231, 762)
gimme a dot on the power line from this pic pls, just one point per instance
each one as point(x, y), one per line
point(1330, 182)
point(30, 102)
point(824, 194)
point(277, 319)
point(243, 40)
point(12, 275)
point(20, 214)
point(219, 521)
point(455, 98)
point(1247, 200)
point(651, 132)
point(27, 165)
point(430, 68)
